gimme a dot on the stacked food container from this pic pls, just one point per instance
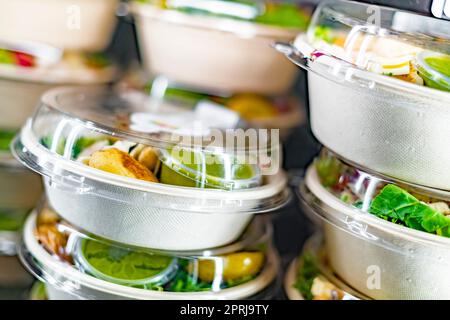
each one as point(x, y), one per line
point(42, 45)
point(220, 51)
point(380, 191)
point(146, 202)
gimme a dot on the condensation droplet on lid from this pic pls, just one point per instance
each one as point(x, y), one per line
point(409, 280)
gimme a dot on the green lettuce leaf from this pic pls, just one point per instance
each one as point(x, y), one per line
point(307, 272)
point(397, 205)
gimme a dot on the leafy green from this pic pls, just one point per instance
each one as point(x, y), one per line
point(12, 221)
point(397, 205)
point(47, 142)
point(329, 171)
point(5, 139)
point(184, 281)
point(284, 15)
point(307, 272)
point(79, 145)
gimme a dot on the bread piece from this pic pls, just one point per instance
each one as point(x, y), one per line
point(121, 163)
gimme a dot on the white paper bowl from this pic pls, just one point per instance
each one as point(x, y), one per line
point(65, 282)
point(213, 53)
point(79, 25)
point(21, 88)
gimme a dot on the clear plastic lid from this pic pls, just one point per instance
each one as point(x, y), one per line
point(310, 277)
point(147, 141)
point(72, 261)
point(350, 37)
point(393, 209)
point(277, 13)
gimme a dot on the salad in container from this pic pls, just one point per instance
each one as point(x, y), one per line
point(146, 172)
point(389, 82)
point(72, 25)
point(309, 277)
point(219, 45)
point(19, 187)
point(28, 69)
point(76, 265)
point(386, 238)
point(256, 110)
point(38, 292)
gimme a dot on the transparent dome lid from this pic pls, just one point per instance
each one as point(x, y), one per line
point(137, 137)
point(59, 253)
point(6, 137)
point(350, 36)
point(276, 13)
